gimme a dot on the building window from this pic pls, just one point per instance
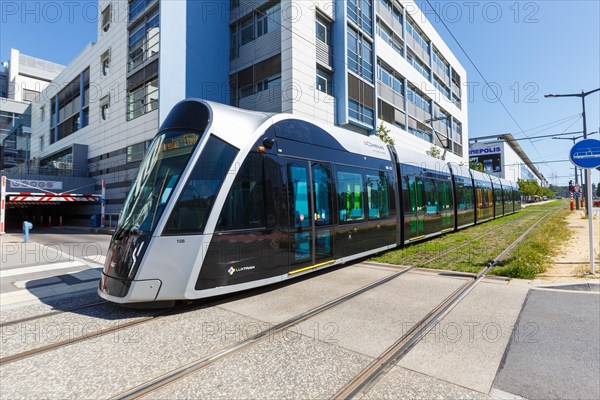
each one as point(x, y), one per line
point(417, 64)
point(29, 95)
point(142, 99)
point(106, 16)
point(255, 25)
point(390, 114)
point(43, 113)
point(390, 78)
point(441, 87)
point(396, 13)
point(144, 39)
point(419, 38)
point(441, 64)
point(360, 55)
point(390, 38)
point(256, 78)
point(361, 13)
point(360, 112)
point(323, 30)
point(136, 7)
point(137, 151)
point(72, 110)
point(418, 100)
point(41, 143)
point(104, 106)
point(105, 62)
point(323, 80)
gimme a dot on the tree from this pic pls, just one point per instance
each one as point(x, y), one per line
point(598, 190)
point(383, 133)
point(532, 188)
point(434, 152)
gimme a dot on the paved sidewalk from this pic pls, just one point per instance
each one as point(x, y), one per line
point(34, 271)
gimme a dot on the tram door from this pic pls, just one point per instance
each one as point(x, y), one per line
point(311, 220)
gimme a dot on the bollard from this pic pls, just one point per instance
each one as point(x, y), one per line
point(26, 227)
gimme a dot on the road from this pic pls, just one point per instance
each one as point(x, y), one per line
point(54, 262)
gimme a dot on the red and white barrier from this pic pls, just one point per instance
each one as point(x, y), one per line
point(2, 203)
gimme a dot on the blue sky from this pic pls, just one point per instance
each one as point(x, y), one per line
point(525, 48)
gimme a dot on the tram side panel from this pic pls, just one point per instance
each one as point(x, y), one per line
point(251, 239)
point(428, 202)
point(464, 205)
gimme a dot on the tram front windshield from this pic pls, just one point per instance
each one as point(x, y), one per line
point(158, 175)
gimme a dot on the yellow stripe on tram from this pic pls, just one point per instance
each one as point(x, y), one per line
point(311, 267)
point(447, 230)
point(416, 238)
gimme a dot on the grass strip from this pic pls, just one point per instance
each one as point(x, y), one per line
point(476, 254)
point(534, 254)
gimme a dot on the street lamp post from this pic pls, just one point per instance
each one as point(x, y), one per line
point(588, 177)
point(447, 143)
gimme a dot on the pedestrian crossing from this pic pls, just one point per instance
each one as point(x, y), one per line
point(34, 283)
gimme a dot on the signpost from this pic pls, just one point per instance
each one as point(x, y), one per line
point(586, 155)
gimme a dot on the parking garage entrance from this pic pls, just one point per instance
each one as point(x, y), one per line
point(45, 208)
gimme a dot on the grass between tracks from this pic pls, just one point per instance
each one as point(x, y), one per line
point(527, 260)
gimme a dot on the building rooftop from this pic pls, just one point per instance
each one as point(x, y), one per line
point(512, 142)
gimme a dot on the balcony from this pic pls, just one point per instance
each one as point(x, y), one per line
point(387, 17)
point(261, 48)
point(443, 75)
point(418, 113)
point(418, 50)
point(386, 93)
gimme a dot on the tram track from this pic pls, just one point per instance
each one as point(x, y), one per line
point(432, 317)
point(371, 374)
point(193, 307)
point(52, 313)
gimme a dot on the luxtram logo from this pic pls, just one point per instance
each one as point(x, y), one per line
point(231, 270)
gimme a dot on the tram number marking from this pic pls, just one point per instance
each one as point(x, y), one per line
point(180, 241)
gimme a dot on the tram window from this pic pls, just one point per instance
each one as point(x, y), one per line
point(433, 206)
point(244, 207)
point(198, 196)
point(461, 192)
point(377, 196)
point(298, 186)
point(322, 193)
point(350, 196)
point(445, 195)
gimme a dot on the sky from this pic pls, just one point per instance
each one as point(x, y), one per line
point(524, 49)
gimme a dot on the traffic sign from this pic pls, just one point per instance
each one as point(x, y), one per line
point(586, 154)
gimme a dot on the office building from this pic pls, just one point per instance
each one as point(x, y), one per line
point(356, 64)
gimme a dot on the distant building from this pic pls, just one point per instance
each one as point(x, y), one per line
point(356, 64)
point(502, 156)
point(28, 76)
point(22, 79)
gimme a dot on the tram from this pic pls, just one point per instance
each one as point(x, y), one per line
point(227, 200)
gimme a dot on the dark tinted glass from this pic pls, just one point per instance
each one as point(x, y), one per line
point(350, 195)
point(245, 205)
point(196, 201)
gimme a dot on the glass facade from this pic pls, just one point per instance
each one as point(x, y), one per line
point(360, 112)
point(360, 55)
point(144, 39)
point(361, 13)
point(70, 108)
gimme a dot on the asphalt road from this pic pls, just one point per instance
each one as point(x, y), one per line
point(555, 352)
